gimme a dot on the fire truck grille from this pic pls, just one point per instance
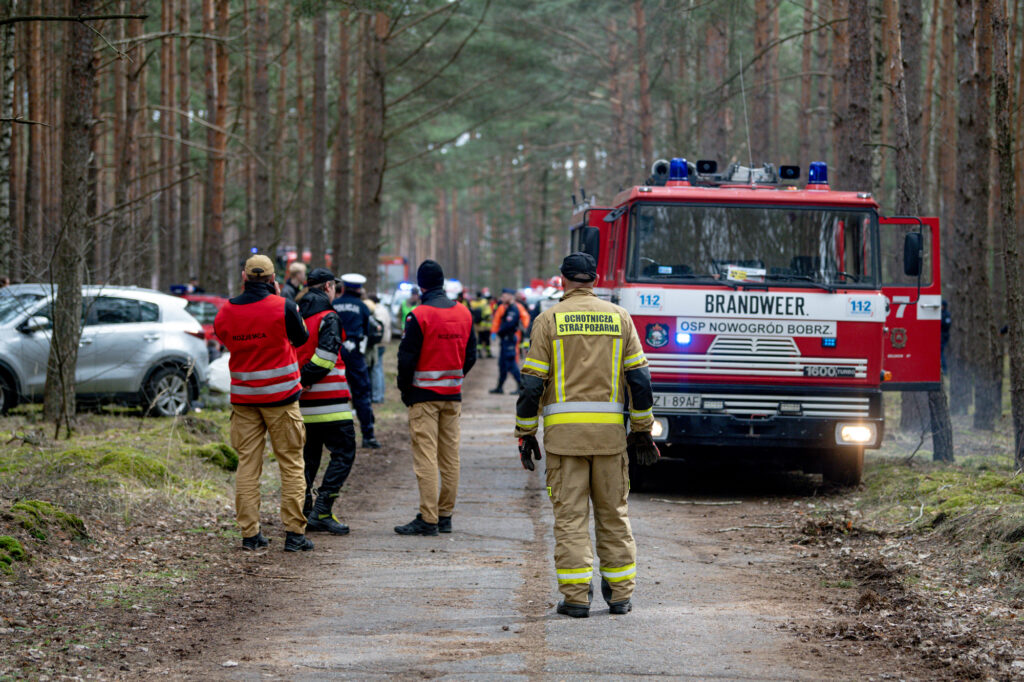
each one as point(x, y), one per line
point(720, 363)
point(811, 406)
point(748, 345)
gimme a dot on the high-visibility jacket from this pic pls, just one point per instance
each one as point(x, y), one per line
point(484, 307)
point(328, 399)
point(446, 331)
point(264, 366)
point(587, 353)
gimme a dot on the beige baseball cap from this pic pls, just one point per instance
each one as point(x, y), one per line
point(259, 265)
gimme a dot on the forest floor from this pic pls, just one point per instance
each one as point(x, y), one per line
point(135, 568)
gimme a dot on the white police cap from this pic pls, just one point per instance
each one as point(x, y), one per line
point(353, 280)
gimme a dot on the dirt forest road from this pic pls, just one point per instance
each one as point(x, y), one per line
point(710, 603)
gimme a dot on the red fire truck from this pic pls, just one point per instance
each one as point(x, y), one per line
point(772, 314)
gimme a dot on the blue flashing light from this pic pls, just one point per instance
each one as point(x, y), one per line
point(817, 174)
point(828, 342)
point(404, 286)
point(683, 339)
point(254, 250)
point(678, 170)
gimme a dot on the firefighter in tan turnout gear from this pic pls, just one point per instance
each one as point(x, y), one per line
point(585, 358)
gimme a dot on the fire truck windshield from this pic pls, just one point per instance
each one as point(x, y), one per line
point(687, 243)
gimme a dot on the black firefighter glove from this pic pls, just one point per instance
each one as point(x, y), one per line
point(528, 446)
point(642, 448)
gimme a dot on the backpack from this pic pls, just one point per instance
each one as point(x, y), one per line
point(374, 332)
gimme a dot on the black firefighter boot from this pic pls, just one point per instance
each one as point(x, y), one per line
point(618, 608)
point(321, 518)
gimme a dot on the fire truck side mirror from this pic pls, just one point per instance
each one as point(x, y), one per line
point(913, 254)
point(590, 241)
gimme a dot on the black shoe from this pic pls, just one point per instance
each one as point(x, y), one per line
point(619, 608)
point(497, 391)
point(297, 542)
point(372, 443)
point(321, 518)
point(255, 542)
point(573, 610)
point(444, 524)
point(417, 527)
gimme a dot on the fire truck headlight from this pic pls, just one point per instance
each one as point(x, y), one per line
point(683, 339)
point(659, 429)
point(855, 434)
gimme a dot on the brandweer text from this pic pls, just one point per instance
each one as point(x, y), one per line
point(754, 305)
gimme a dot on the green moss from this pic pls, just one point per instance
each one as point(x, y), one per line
point(218, 454)
point(38, 517)
point(10, 551)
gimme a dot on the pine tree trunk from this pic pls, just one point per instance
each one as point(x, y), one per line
point(643, 74)
point(7, 9)
point(170, 238)
point(806, 85)
point(854, 156)
point(714, 135)
point(220, 160)
point(59, 396)
point(185, 223)
point(1007, 225)
point(840, 95)
point(34, 159)
point(318, 153)
point(279, 165)
point(341, 233)
point(300, 231)
point(263, 216)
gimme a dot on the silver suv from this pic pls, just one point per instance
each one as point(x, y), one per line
point(139, 347)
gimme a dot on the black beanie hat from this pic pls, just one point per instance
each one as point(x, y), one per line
point(430, 275)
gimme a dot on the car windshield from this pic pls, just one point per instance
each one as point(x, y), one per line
point(738, 244)
point(14, 305)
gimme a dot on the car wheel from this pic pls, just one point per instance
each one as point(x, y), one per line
point(7, 398)
point(843, 465)
point(166, 394)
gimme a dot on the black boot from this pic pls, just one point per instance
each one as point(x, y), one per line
point(618, 608)
point(497, 390)
point(573, 610)
point(444, 524)
point(321, 518)
point(255, 542)
point(417, 527)
point(371, 442)
point(297, 542)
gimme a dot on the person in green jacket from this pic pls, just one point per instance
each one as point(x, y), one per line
point(408, 305)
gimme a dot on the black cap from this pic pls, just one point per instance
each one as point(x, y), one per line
point(319, 276)
point(430, 275)
point(579, 267)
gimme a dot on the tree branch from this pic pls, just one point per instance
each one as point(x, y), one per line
point(19, 119)
point(83, 19)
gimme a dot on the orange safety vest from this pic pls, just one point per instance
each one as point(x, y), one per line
point(263, 364)
point(446, 332)
point(330, 392)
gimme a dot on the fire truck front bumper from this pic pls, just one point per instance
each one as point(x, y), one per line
point(748, 417)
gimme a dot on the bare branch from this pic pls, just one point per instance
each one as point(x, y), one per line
point(120, 207)
point(420, 19)
point(83, 19)
point(20, 119)
point(430, 113)
point(212, 126)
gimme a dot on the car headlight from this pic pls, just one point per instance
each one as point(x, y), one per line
point(659, 429)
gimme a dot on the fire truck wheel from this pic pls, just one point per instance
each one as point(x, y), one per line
point(843, 466)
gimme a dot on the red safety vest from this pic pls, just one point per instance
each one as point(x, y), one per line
point(334, 386)
point(446, 332)
point(263, 364)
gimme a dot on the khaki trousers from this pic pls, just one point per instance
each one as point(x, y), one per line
point(249, 428)
point(434, 428)
point(573, 481)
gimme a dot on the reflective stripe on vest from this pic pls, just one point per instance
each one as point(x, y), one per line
point(446, 333)
point(325, 413)
point(582, 412)
point(263, 364)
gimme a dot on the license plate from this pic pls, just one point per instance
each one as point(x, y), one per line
point(677, 401)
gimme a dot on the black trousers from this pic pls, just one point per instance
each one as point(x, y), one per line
point(340, 439)
point(358, 377)
point(507, 361)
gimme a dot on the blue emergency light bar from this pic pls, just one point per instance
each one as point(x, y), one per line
point(678, 170)
point(817, 174)
point(683, 339)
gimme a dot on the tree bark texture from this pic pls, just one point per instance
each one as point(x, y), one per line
point(265, 237)
point(7, 9)
point(854, 172)
point(318, 244)
point(341, 232)
point(644, 77)
point(59, 398)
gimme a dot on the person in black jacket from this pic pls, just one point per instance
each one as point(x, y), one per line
point(324, 403)
point(355, 320)
point(437, 351)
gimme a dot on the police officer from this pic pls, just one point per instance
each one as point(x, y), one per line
point(355, 320)
point(480, 308)
point(324, 403)
point(508, 319)
point(436, 352)
point(261, 330)
point(585, 359)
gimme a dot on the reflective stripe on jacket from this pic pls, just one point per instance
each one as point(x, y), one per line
point(327, 399)
point(264, 366)
point(446, 331)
